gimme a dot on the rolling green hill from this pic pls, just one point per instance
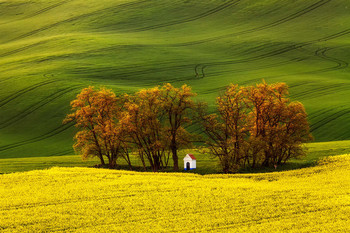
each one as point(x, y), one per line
point(50, 50)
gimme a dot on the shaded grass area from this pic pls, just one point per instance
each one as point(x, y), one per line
point(206, 164)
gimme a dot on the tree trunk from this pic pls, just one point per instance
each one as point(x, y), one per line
point(175, 158)
point(266, 161)
point(102, 160)
point(112, 162)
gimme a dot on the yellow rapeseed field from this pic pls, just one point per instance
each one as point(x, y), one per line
point(96, 200)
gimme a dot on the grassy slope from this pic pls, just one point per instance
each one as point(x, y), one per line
point(96, 200)
point(206, 164)
point(49, 50)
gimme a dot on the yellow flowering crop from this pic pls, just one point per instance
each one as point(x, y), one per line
point(96, 200)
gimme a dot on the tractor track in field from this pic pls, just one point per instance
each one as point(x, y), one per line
point(152, 70)
point(209, 91)
point(222, 88)
point(278, 64)
point(44, 136)
point(43, 10)
point(199, 71)
point(255, 58)
point(39, 12)
point(21, 49)
point(5, 79)
point(300, 84)
point(321, 90)
point(126, 74)
point(340, 64)
point(72, 19)
point(329, 119)
point(267, 26)
point(343, 136)
point(23, 91)
point(320, 112)
point(36, 106)
point(64, 152)
point(290, 17)
point(188, 19)
point(285, 50)
point(321, 52)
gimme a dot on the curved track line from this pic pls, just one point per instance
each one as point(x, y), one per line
point(267, 26)
point(43, 10)
point(315, 92)
point(189, 19)
point(209, 91)
point(21, 49)
point(266, 55)
point(340, 63)
point(282, 50)
point(44, 28)
point(273, 65)
point(36, 106)
point(321, 53)
point(64, 152)
point(314, 116)
point(199, 68)
point(127, 74)
point(49, 134)
point(21, 92)
point(329, 119)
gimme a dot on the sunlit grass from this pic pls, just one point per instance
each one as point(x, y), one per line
point(206, 163)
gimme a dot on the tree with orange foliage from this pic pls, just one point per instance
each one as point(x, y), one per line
point(279, 126)
point(155, 120)
point(142, 121)
point(256, 126)
point(227, 130)
point(96, 113)
point(178, 105)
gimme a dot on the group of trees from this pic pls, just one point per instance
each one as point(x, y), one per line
point(253, 126)
point(256, 126)
point(150, 122)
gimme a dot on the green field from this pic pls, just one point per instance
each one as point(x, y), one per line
point(206, 163)
point(50, 50)
point(313, 199)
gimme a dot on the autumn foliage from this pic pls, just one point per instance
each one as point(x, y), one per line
point(96, 114)
point(150, 123)
point(256, 126)
point(142, 122)
point(253, 126)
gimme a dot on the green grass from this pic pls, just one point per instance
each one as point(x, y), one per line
point(49, 50)
point(206, 164)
